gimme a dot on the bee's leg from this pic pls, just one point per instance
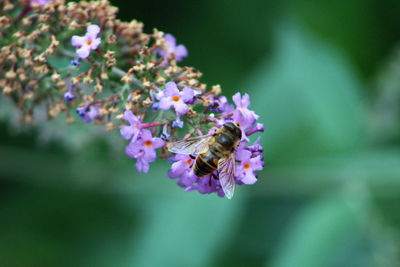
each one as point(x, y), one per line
point(192, 157)
point(214, 176)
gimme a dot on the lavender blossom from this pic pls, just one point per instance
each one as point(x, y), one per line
point(88, 113)
point(132, 131)
point(69, 96)
point(143, 149)
point(242, 114)
point(248, 164)
point(179, 51)
point(88, 42)
point(182, 169)
point(171, 96)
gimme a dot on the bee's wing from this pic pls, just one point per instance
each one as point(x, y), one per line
point(190, 146)
point(226, 173)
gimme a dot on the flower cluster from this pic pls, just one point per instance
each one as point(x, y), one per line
point(248, 157)
point(77, 59)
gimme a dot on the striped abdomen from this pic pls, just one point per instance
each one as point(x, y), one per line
point(207, 162)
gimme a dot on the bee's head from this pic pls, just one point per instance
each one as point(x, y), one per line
point(234, 128)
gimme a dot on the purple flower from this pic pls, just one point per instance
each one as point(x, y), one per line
point(256, 147)
point(245, 171)
point(69, 96)
point(40, 2)
point(224, 105)
point(144, 150)
point(182, 169)
point(88, 113)
point(177, 123)
point(179, 51)
point(133, 130)
point(171, 96)
point(207, 185)
point(242, 114)
point(75, 62)
point(88, 42)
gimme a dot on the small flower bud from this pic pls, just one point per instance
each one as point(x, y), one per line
point(11, 74)
point(110, 126)
point(55, 77)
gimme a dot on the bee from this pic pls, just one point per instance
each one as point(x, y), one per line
point(214, 152)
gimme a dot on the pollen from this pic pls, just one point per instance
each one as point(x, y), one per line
point(189, 161)
point(148, 143)
point(89, 42)
point(247, 166)
point(175, 98)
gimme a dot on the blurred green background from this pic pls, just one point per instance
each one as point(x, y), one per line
point(325, 78)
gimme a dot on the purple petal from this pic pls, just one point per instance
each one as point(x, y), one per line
point(127, 132)
point(158, 142)
point(146, 135)
point(93, 30)
point(165, 103)
point(180, 52)
point(78, 40)
point(249, 178)
point(95, 43)
point(243, 154)
point(149, 154)
point(177, 169)
point(256, 163)
point(161, 52)
point(132, 149)
point(171, 89)
point(93, 113)
point(130, 117)
point(142, 165)
point(237, 99)
point(187, 94)
point(170, 39)
point(245, 103)
point(83, 52)
point(180, 107)
point(160, 94)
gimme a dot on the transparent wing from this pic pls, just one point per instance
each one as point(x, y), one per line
point(226, 173)
point(190, 146)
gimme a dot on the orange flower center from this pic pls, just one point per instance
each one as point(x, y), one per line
point(175, 98)
point(148, 143)
point(189, 161)
point(247, 166)
point(89, 42)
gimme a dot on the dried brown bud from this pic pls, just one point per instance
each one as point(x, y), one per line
point(112, 39)
point(11, 74)
point(44, 27)
point(113, 109)
point(191, 113)
point(110, 126)
point(88, 80)
point(147, 102)
point(126, 78)
point(70, 120)
point(216, 89)
point(8, 6)
point(120, 117)
point(103, 112)
point(55, 77)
